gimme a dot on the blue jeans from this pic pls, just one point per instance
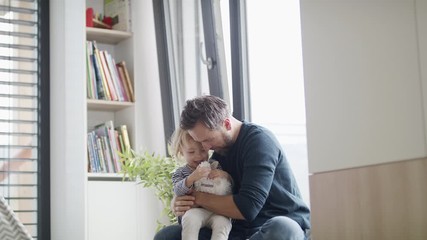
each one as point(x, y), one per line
point(277, 228)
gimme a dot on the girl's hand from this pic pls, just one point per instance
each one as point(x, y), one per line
point(197, 174)
point(200, 172)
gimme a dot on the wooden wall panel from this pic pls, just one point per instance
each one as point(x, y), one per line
point(387, 201)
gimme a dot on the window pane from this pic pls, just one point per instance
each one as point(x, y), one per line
point(19, 116)
point(185, 40)
point(276, 78)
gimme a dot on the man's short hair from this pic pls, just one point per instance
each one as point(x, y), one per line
point(207, 109)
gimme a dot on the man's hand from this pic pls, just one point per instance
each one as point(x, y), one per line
point(182, 204)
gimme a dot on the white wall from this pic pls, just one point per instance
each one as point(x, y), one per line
point(149, 116)
point(362, 82)
point(147, 80)
point(421, 13)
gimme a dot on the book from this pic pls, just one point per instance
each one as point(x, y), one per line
point(104, 89)
point(123, 133)
point(122, 77)
point(111, 64)
point(120, 12)
point(92, 89)
point(91, 153)
point(104, 149)
point(122, 64)
point(106, 73)
point(113, 145)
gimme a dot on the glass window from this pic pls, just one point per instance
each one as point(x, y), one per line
point(20, 111)
point(276, 78)
point(191, 55)
point(256, 52)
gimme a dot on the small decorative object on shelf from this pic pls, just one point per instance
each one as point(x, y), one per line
point(119, 11)
point(97, 21)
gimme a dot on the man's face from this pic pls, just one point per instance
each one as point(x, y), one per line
point(217, 140)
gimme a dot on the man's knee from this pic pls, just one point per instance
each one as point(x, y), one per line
point(280, 225)
point(172, 232)
point(280, 228)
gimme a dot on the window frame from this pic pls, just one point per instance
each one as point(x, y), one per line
point(43, 216)
point(213, 48)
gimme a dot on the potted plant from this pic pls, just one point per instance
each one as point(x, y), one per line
point(152, 171)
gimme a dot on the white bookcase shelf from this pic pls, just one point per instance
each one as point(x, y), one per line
point(108, 36)
point(106, 177)
point(94, 104)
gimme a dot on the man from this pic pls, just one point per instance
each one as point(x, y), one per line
point(266, 203)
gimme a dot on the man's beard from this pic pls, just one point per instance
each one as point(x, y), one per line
point(228, 142)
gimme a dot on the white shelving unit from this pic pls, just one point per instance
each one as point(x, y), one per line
point(100, 111)
point(73, 190)
point(112, 201)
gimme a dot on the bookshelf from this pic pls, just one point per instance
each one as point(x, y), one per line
point(110, 94)
point(113, 202)
point(93, 206)
point(103, 110)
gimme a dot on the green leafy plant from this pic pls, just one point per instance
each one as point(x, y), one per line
point(152, 171)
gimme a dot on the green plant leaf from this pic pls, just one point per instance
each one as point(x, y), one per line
point(152, 171)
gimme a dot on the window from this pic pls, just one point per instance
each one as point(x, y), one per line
point(256, 51)
point(276, 78)
point(24, 112)
point(191, 54)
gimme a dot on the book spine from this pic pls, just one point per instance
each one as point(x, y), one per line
point(106, 72)
point(112, 69)
point(89, 90)
point(107, 154)
point(102, 163)
point(128, 80)
point(123, 81)
point(91, 153)
point(94, 85)
point(126, 139)
point(113, 144)
point(107, 90)
point(99, 81)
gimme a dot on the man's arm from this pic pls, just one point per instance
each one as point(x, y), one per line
point(222, 205)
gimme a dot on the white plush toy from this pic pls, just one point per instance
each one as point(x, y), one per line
point(196, 218)
point(217, 186)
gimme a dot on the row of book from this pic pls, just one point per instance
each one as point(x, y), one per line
point(106, 79)
point(104, 143)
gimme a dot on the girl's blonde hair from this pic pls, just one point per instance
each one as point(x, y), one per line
point(177, 141)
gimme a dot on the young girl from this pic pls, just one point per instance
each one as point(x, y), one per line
point(184, 147)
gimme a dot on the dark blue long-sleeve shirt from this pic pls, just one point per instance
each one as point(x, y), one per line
point(264, 185)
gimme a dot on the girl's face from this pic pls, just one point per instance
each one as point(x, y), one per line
point(194, 153)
